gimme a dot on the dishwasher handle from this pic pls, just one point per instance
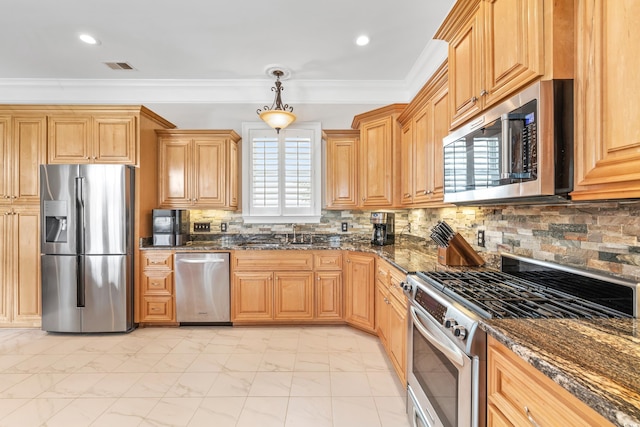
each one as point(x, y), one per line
point(201, 261)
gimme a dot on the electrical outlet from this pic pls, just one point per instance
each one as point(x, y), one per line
point(408, 227)
point(201, 227)
point(223, 227)
point(345, 226)
point(481, 238)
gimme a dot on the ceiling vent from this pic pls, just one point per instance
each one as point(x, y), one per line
point(119, 66)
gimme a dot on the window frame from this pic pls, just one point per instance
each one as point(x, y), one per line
point(313, 213)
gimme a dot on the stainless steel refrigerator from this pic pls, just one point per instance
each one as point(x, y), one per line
point(87, 247)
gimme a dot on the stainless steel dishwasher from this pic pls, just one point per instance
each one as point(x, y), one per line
point(202, 288)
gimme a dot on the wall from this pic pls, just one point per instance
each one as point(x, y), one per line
point(599, 236)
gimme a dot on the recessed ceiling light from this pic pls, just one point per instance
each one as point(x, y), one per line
point(362, 40)
point(89, 39)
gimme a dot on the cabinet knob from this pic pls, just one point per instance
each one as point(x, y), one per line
point(484, 92)
point(13, 197)
point(474, 99)
point(363, 199)
point(94, 157)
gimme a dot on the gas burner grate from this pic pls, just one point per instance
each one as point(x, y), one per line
point(501, 295)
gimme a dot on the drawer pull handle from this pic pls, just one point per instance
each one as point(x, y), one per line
point(530, 417)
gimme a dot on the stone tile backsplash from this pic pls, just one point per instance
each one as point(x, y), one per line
point(601, 236)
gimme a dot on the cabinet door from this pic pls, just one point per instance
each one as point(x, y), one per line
point(440, 129)
point(424, 159)
point(328, 295)
point(175, 181)
point(252, 296)
point(514, 46)
point(69, 139)
point(607, 139)
point(293, 294)
point(28, 153)
point(25, 237)
point(5, 165)
point(382, 314)
point(6, 279)
point(114, 140)
point(341, 172)
point(232, 176)
point(407, 162)
point(465, 67)
point(397, 336)
point(359, 296)
point(376, 163)
point(209, 170)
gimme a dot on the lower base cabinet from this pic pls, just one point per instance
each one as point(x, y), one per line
point(391, 316)
point(157, 296)
point(518, 394)
point(286, 287)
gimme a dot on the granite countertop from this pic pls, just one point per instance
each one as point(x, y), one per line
point(409, 253)
point(597, 360)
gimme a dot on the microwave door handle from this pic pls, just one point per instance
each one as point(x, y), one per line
point(453, 354)
point(505, 148)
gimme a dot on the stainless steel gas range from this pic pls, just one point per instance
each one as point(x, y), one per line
point(447, 349)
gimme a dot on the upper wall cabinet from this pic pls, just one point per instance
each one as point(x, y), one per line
point(424, 124)
point(22, 151)
point(606, 131)
point(379, 157)
point(499, 46)
point(198, 169)
point(99, 134)
point(87, 138)
point(341, 170)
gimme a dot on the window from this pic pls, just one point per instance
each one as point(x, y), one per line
point(281, 173)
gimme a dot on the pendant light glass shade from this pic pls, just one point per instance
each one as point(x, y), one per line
point(279, 115)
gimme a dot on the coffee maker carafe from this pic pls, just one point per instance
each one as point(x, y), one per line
point(383, 233)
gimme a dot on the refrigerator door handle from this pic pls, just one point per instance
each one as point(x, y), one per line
point(80, 214)
point(80, 294)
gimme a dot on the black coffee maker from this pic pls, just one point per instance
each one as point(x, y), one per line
point(383, 233)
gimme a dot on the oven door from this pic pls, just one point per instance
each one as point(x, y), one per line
point(442, 378)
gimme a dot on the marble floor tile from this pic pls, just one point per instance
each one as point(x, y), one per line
point(263, 412)
point(311, 376)
point(309, 411)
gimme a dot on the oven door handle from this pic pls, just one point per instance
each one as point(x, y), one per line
point(453, 354)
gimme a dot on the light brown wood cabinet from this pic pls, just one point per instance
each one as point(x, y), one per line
point(286, 286)
point(341, 170)
point(424, 123)
point(391, 315)
point(198, 169)
point(157, 297)
point(379, 157)
point(86, 138)
point(359, 287)
point(607, 138)
point(518, 394)
point(22, 151)
point(20, 295)
point(499, 46)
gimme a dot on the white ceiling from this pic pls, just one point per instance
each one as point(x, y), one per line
point(201, 63)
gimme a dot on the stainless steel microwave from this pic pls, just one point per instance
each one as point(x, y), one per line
point(520, 151)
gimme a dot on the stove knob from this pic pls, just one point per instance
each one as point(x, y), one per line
point(406, 286)
point(450, 323)
point(460, 332)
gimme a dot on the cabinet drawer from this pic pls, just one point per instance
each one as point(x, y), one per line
point(157, 282)
point(327, 260)
point(157, 260)
point(395, 287)
point(272, 260)
point(157, 309)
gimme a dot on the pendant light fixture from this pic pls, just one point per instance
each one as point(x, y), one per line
point(278, 116)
